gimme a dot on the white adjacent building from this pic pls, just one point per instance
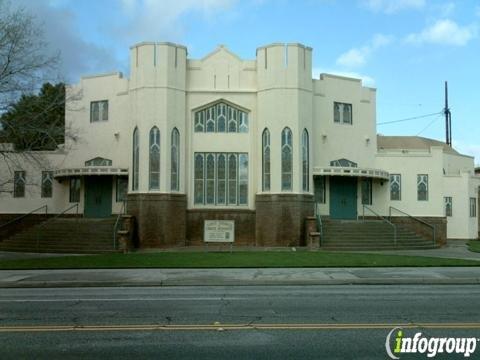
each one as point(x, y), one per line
point(255, 141)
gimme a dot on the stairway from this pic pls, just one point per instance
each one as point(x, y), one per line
point(64, 235)
point(369, 235)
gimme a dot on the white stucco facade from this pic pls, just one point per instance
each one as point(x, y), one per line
point(166, 90)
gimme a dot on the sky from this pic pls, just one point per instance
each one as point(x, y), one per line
point(406, 49)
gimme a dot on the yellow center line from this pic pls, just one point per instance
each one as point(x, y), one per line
point(203, 327)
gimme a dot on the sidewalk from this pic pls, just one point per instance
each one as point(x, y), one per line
point(229, 277)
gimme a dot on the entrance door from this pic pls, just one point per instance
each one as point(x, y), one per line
point(343, 197)
point(98, 196)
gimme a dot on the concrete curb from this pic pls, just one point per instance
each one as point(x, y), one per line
point(167, 283)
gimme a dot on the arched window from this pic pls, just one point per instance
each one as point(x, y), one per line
point(175, 161)
point(305, 161)
point(266, 160)
point(287, 159)
point(220, 118)
point(154, 163)
point(136, 160)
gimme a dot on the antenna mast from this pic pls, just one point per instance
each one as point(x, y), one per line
point(448, 118)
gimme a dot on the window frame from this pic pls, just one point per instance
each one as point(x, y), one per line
point(448, 200)
point(206, 189)
point(118, 196)
point(266, 160)
point(19, 183)
point(102, 114)
point(234, 119)
point(175, 153)
point(135, 159)
point(75, 187)
point(287, 149)
point(46, 176)
point(305, 161)
point(473, 207)
point(422, 179)
point(339, 111)
point(154, 158)
point(399, 182)
point(367, 198)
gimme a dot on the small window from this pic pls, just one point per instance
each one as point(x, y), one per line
point(367, 191)
point(473, 207)
point(99, 111)
point(395, 187)
point(448, 206)
point(319, 184)
point(342, 113)
point(19, 184)
point(121, 188)
point(422, 187)
point(98, 161)
point(47, 184)
point(74, 190)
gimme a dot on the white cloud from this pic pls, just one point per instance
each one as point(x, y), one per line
point(153, 19)
point(366, 80)
point(357, 57)
point(445, 32)
point(393, 6)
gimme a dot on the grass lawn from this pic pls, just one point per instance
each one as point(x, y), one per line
point(251, 259)
point(474, 245)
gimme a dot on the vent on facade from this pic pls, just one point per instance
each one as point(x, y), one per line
point(343, 163)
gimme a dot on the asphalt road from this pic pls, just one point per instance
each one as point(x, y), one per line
point(274, 322)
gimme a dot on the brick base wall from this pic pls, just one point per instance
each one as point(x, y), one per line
point(244, 224)
point(280, 219)
point(160, 219)
point(21, 225)
point(439, 222)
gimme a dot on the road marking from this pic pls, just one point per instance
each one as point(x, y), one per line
point(119, 299)
point(213, 327)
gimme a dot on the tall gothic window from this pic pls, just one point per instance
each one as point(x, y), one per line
point(136, 160)
point(305, 161)
point(287, 160)
point(154, 163)
point(47, 184)
point(266, 160)
point(395, 187)
point(175, 161)
point(422, 187)
point(221, 179)
point(19, 184)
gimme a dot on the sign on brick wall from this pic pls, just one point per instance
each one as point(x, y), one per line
point(219, 231)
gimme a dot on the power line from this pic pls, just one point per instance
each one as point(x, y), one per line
point(429, 124)
point(410, 118)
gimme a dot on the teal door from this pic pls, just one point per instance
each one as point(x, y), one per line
point(98, 196)
point(343, 197)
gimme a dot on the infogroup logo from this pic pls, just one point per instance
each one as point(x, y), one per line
point(430, 346)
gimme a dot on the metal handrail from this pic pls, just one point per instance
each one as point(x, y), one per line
point(55, 217)
point(115, 227)
point(319, 222)
point(25, 215)
point(414, 218)
point(384, 220)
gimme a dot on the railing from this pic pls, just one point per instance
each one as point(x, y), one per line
point(319, 221)
point(17, 219)
point(414, 218)
point(117, 222)
point(56, 217)
point(384, 220)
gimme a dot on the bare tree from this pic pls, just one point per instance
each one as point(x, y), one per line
point(25, 65)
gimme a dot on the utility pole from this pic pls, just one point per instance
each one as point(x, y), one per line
point(448, 118)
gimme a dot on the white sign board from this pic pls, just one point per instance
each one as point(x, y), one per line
point(219, 231)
